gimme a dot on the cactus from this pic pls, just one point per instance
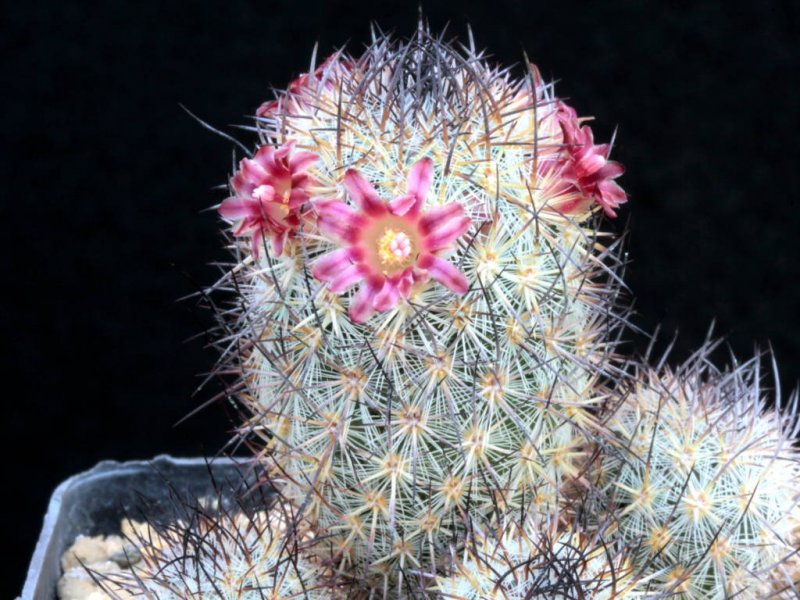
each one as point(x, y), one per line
point(243, 555)
point(424, 337)
point(523, 562)
point(707, 481)
point(424, 301)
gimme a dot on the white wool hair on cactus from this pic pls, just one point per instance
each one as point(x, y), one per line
point(423, 300)
point(707, 482)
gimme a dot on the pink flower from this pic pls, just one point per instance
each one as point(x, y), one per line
point(388, 246)
point(588, 166)
point(307, 85)
point(269, 190)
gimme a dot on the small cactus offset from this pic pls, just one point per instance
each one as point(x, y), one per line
point(706, 482)
point(424, 299)
point(524, 563)
point(247, 555)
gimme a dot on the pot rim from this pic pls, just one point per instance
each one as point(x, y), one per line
point(105, 468)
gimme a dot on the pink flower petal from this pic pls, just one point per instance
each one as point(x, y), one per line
point(588, 135)
point(278, 242)
point(235, 208)
point(329, 265)
point(337, 229)
point(419, 181)
point(420, 276)
point(406, 282)
point(590, 163)
point(400, 206)
point(284, 150)
point(297, 197)
point(263, 193)
point(240, 185)
point(301, 161)
point(610, 195)
point(363, 194)
point(445, 235)
point(275, 211)
point(275, 168)
point(437, 216)
point(387, 298)
point(573, 206)
point(280, 174)
point(334, 228)
point(335, 209)
point(299, 179)
point(361, 304)
point(246, 226)
point(337, 219)
point(445, 273)
point(346, 279)
point(601, 149)
point(256, 241)
point(252, 171)
point(267, 107)
point(612, 170)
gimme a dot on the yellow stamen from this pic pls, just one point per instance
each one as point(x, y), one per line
point(394, 248)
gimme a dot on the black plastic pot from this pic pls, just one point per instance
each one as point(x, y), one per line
point(95, 502)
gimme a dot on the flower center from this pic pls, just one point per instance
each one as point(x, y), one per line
point(391, 244)
point(278, 189)
point(394, 248)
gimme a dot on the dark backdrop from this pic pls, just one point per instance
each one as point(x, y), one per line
point(104, 179)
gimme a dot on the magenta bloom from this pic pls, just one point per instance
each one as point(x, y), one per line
point(306, 86)
point(388, 246)
point(269, 190)
point(588, 166)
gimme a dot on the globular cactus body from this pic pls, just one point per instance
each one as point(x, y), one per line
point(227, 556)
point(707, 483)
point(424, 301)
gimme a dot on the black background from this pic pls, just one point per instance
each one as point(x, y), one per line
point(104, 179)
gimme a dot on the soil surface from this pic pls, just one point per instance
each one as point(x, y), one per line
point(100, 554)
